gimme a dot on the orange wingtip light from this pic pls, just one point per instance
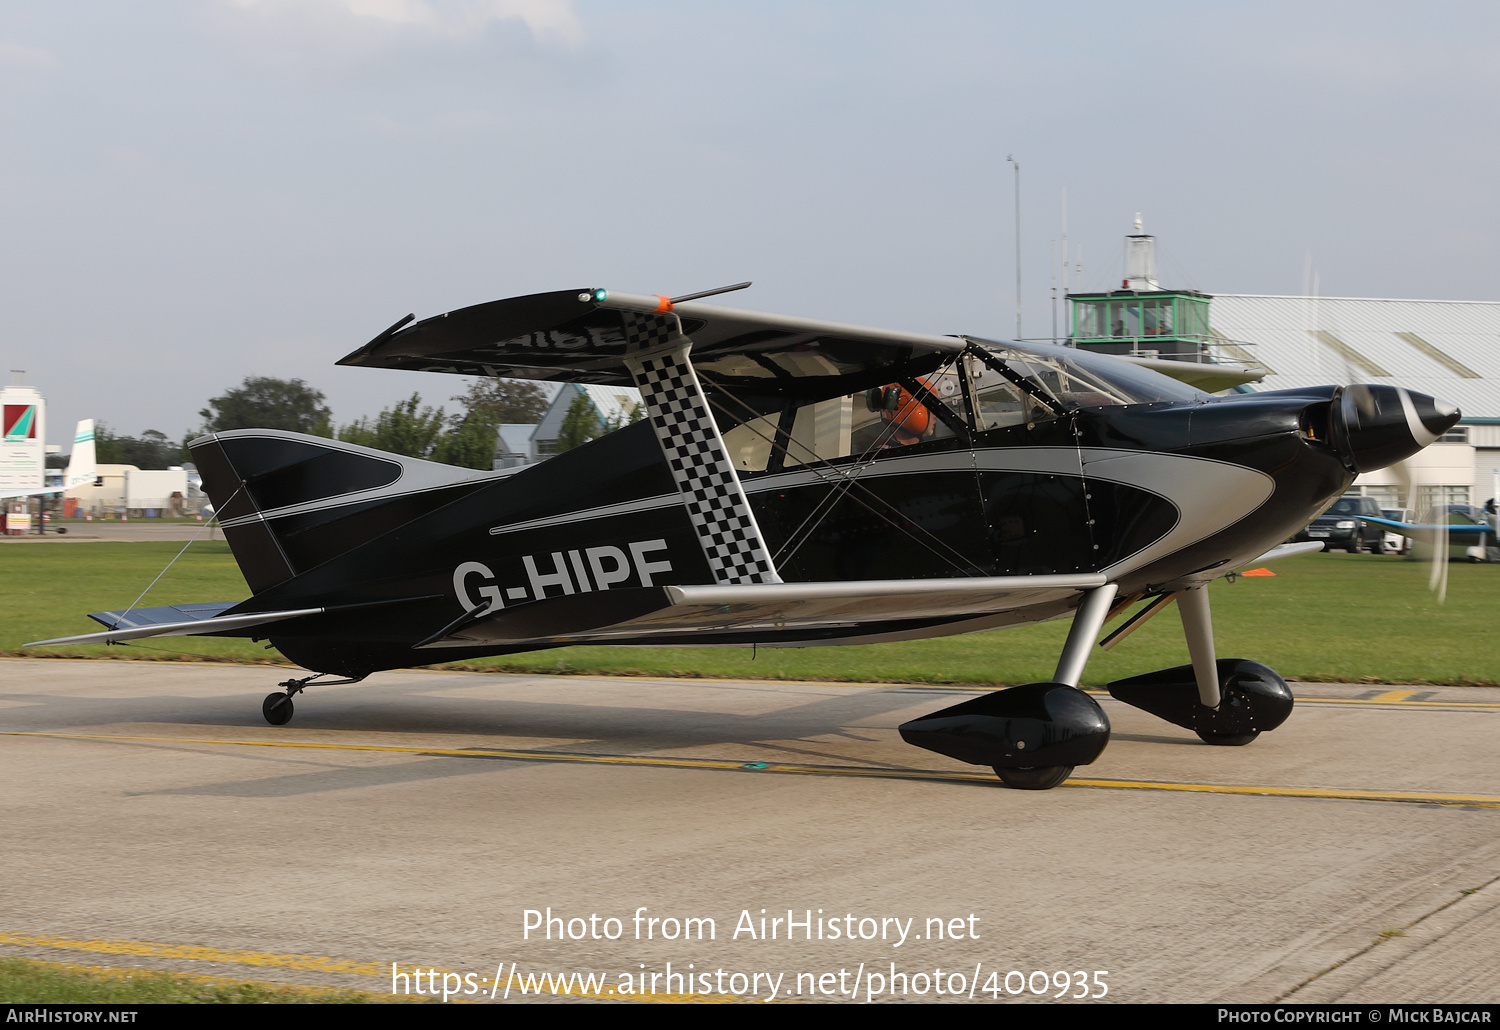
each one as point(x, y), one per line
point(1257, 572)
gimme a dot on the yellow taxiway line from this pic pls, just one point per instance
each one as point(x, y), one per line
point(312, 993)
point(1392, 699)
point(317, 964)
point(198, 953)
point(987, 779)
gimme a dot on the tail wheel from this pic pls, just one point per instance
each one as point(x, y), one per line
point(277, 708)
point(1040, 778)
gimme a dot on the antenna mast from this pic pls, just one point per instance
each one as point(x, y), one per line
point(1012, 160)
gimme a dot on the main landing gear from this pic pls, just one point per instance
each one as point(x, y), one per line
point(277, 708)
point(1034, 735)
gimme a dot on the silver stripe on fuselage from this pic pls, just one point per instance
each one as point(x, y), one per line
point(1209, 495)
point(385, 493)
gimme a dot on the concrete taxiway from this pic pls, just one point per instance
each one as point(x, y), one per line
point(133, 532)
point(152, 818)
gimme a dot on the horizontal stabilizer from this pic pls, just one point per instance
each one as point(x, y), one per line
point(683, 612)
point(177, 620)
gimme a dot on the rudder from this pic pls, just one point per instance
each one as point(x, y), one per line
point(289, 502)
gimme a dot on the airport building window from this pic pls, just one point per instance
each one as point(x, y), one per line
point(1139, 317)
point(1431, 498)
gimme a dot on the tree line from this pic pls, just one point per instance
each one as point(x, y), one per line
point(465, 437)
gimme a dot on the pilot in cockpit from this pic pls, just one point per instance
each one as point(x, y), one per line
point(904, 419)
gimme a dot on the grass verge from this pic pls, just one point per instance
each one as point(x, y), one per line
point(31, 982)
point(1323, 617)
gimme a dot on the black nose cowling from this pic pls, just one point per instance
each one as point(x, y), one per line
point(1376, 426)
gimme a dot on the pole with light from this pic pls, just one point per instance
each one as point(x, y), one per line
point(1013, 161)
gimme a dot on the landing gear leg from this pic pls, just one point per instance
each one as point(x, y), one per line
point(1198, 627)
point(1087, 622)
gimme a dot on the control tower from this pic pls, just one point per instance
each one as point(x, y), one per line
point(1141, 318)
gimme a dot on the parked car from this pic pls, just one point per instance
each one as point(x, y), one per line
point(1339, 528)
point(1395, 543)
point(1471, 548)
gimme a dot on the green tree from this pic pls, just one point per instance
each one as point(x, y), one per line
point(151, 450)
point(473, 431)
point(471, 444)
point(261, 402)
point(501, 401)
point(579, 425)
point(408, 428)
point(630, 414)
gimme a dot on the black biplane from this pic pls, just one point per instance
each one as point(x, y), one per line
point(798, 483)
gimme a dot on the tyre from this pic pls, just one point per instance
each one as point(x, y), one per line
point(1227, 739)
point(1041, 778)
point(277, 708)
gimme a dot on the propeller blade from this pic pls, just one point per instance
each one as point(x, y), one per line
point(1437, 580)
point(1363, 399)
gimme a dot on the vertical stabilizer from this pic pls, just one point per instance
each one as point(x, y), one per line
point(82, 471)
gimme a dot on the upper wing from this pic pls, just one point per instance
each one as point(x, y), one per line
point(579, 336)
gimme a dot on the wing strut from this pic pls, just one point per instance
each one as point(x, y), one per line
point(657, 357)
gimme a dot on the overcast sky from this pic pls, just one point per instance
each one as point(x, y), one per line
point(195, 191)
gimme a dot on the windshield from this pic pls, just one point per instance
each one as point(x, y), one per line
point(1080, 379)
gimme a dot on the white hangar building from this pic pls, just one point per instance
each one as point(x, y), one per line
point(1449, 349)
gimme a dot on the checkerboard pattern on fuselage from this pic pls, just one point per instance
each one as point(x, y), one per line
point(695, 452)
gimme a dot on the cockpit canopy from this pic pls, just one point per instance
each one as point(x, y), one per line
point(988, 387)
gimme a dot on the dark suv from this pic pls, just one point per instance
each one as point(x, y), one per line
point(1339, 527)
